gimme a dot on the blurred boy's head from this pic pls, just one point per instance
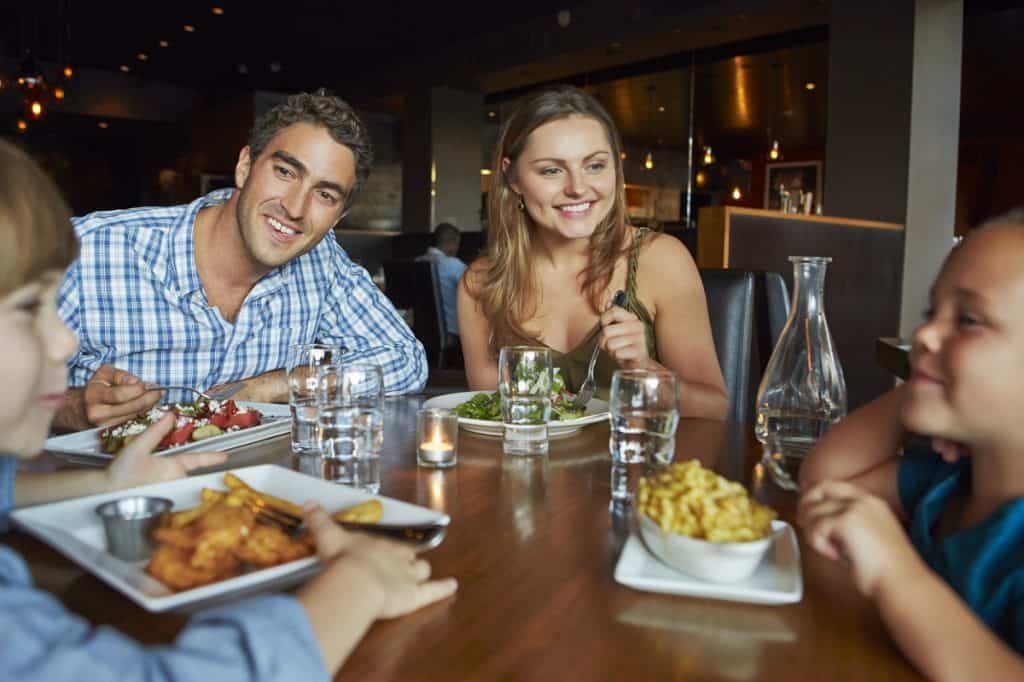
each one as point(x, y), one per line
point(967, 383)
point(447, 237)
point(38, 244)
point(35, 224)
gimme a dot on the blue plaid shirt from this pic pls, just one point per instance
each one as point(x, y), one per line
point(135, 300)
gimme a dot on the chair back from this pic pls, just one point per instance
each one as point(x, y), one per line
point(730, 297)
point(412, 285)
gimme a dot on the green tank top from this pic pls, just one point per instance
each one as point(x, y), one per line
point(573, 364)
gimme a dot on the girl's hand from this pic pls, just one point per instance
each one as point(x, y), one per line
point(387, 573)
point(624, 337)
point(137, 465)
point(843, 522)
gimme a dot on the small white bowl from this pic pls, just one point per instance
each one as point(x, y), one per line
point(718, 562)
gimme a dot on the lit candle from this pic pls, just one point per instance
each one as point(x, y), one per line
point(437, 431)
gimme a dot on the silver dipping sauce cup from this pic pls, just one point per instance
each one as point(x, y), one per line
point(128, 522)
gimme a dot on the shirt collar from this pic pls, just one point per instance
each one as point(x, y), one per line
point(184, 275)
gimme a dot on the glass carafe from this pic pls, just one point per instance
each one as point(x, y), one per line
point(803, 392)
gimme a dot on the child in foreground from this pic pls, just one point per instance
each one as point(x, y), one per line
point(270, 637)
point(949, 579)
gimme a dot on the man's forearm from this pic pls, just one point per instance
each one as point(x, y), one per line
point(269, 387)
point(72, 416)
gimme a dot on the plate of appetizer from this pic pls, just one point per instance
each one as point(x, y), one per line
point(202, 425)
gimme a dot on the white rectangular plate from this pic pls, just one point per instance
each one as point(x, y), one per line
point(73, 529)
point(597, 411)
point(84, 446)
point(776, 581)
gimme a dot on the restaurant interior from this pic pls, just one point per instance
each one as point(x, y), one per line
point(873, 133)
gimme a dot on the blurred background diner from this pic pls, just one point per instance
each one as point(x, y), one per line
point(870, 132)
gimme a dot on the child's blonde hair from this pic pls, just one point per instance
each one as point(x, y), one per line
point(35, 223)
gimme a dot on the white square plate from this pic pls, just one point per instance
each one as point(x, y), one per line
point(73, 529)
point(597, 411)
point(84, 446)
point(777, 580)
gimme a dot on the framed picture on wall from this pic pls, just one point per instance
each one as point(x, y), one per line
point(792, 177)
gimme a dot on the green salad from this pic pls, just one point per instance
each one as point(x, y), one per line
point(487, 406)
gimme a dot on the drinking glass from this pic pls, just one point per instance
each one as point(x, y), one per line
point(524, 383)
point(644, 413)
point(351, 423)
point(304, 361)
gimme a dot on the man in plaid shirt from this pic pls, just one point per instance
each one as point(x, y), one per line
point(217, 290)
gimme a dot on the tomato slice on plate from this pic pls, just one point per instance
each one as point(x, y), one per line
point(244, 420)
point(179, 435)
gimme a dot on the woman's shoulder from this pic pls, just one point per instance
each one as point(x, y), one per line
point(663, 253)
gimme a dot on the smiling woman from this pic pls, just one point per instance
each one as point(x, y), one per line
point(559, 246)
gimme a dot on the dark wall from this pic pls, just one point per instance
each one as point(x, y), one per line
point(867, 149)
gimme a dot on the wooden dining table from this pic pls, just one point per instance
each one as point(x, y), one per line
point(533, 543)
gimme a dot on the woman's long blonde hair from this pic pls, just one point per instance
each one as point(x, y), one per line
point(507, 290)
point(35, 223)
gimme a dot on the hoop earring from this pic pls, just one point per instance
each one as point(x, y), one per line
point(521, 206)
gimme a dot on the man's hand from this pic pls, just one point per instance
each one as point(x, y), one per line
point(844, 522)
point(113, 395)
point(269, 387)
point(136, 465)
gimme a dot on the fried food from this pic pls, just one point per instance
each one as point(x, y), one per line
point(173, 567)
point(270, 546)
point(365, 512)
point(219, 537)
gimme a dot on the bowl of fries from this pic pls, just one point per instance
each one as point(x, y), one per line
point(703, 524)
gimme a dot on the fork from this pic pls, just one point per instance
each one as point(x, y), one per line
point(423, 535)
point(222, 393)
point(586, 391)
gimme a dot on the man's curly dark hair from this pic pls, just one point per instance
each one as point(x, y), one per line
point(323, 109)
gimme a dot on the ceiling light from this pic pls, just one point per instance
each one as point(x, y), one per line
point(125, 68)
point(661, 109)
point(492, 114)
point(736, 194)
point(622, 155)
point(189, 28)
point(774, 154)
point(164, 43)
point(58, 93)
point(218, 11)
point(22, 126)
point(36, 109)
point(649, 161)
point(810, 85)
point(485, 171)
point(701, 178)
point(142, 56)
point(103, 124)
point(68, 72)
point(708, 158)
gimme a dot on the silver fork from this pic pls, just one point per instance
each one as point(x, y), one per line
point(423, 536)
point(222, 393)
point(586, 391)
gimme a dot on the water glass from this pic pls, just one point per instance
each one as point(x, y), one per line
point(644, 413)
point(304, 361)
point(351, 423)
point(524, 383)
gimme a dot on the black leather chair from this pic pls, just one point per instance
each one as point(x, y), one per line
point(730, 297)
point(411, 285)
